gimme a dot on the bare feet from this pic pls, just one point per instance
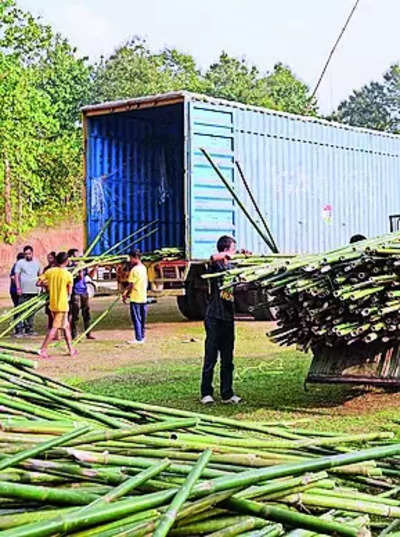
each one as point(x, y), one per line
point(43, 353)
point(90, 336)
point(73, 353)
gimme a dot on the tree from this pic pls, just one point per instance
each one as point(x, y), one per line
point(65, 77)
point(42, 86)
point(288, 93)
point(26, 120)
point(376, 105)
point(133, 71)
point(232, 79)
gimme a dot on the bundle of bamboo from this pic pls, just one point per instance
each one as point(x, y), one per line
point(80, 464)
point(348, 295)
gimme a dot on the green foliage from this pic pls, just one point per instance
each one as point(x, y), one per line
point(42, 86)
point(231, 78)
point(375, 105)
point(133, 71)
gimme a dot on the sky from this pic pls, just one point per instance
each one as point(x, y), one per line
point(299, 33)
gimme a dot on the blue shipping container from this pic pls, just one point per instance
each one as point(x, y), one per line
point(317, 182)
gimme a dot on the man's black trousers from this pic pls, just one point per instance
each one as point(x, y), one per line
point(79, 302)
point(220, 338)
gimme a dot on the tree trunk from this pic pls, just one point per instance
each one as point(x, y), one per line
point(19, 206)
point(7, 197)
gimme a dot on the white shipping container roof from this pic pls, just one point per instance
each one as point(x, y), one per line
point(124, 105)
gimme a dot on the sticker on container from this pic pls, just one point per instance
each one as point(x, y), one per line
point(327, 213)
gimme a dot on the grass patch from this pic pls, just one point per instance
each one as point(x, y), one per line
point(272, 387)
point(166, 371)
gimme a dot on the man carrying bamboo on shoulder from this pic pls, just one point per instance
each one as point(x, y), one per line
point(58, 281)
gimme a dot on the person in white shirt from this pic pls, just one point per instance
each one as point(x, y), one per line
point(27, 271)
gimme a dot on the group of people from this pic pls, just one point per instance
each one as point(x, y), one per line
point(68, 295)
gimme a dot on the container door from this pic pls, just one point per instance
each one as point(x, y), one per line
point(211, 207)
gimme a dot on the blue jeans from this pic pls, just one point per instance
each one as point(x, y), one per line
point(138, 316)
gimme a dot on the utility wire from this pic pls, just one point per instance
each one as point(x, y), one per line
point(342, 31)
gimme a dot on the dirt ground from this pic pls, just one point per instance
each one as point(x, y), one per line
point(110, 350)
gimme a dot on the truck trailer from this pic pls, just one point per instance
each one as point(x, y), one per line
point(317, 182)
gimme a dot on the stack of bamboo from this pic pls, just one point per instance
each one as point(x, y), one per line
point(76, 463)
point(345, 296)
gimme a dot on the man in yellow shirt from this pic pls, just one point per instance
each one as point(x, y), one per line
point(137, 294)
point(58, 281)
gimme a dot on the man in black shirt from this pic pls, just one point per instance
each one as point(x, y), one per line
point(220, 329)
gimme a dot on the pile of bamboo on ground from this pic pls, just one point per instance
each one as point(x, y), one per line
point(80, 464)
point(345, 296)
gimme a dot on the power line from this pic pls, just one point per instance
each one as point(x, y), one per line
point(342, 31)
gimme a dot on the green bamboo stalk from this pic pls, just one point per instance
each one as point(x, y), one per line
point(257, 208)
point(30, 408)
point(98, 436)
point(41, 448)
point(268, 531)
point(237, 199)
point(345, 503)
point(16, 348)
point(97, 531)
point(250, 477)
point(213, 525)
point(248, 524)
point(167, 519)
point(205, 418)
point(8, 521)
point(146, 226)
point(17, 309)
point(134, 462)
point(294, 519)
point(97, 238)
point(75, 520)
point(49, 495)
point(129, 484)
point(280, 485)
point(81, 409)
point(98, 262)
point(97, 321)
point(17, 362)
point(25, 314)
point(140, 239)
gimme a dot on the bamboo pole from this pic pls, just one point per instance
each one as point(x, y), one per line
point(168, 518)
point(237, 199)
point(98, 237)
point(104, 314)
point(257, 208)
point(59, 441)
point(130, 236)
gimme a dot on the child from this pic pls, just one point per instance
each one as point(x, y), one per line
point(220, 329)
point(137, 293)
point(58, 282)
